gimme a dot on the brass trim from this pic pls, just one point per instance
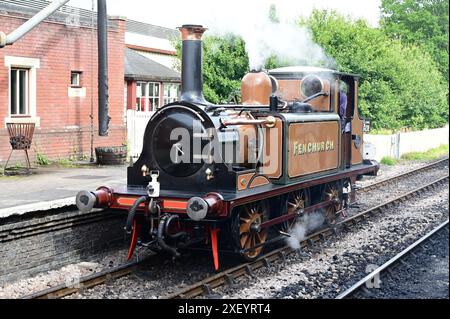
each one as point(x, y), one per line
point(259, 180)
point(267, 122)
point(243, 181)
point(357, 129)
point(192, 32)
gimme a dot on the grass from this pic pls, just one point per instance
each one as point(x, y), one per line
point(381, 131)
point(429, 155)
point(387, 131)
point(387, 160)
point(42, 160)
point(64, 162)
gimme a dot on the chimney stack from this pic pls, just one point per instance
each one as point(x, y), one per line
point(191, 68)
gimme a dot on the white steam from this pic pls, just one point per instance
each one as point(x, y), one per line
point(263, 38)
point(306, 224)
point(286, 41)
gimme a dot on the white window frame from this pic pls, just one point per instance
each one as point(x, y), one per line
point(27, 109)
point(152, 96)
point(167, 99)
point(31, 65)
point(148, 96)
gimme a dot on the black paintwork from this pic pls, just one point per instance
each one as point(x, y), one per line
point(156, 152)
point(191, 72)
point(366, 168)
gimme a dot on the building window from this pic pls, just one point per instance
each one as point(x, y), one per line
point(19, 91)
point(75, 79)
point(22, 89)
point(171, 92)
point(147, 96)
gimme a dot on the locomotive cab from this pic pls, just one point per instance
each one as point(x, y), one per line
point(324, 86)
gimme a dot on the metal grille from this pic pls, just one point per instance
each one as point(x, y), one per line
point(20, 137)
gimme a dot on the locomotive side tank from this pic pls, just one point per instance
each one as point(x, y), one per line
point(236, 176)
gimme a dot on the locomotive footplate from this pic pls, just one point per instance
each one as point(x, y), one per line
point(176, 201)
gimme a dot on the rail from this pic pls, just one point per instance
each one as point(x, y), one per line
point(206, 286)
point(361, 283)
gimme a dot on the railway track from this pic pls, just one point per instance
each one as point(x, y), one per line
point(86, 282)
point(206, 286)
point(399, 177)
point(19, 230)
point(361, 285)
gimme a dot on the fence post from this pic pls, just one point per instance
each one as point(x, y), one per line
point(397, 146)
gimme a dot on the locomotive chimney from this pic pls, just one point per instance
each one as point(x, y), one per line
point(191, 68)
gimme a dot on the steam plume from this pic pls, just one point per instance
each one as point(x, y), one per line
point(305, 225)
point(264, 36)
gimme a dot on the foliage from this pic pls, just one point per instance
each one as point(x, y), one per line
point(273, 15)
point(41, 159)
point(387, 160)
point(400, 84)
point(382, 131)
point(419, 22)
point(428, 155)
point(225, 62)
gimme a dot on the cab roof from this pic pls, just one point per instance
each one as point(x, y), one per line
point(296, 71)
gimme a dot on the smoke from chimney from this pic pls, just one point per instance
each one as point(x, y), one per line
point(264, 37)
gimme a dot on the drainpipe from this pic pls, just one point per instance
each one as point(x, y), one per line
point(102, 38)
point(30, 24)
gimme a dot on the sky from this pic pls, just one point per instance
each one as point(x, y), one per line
point(173, 13)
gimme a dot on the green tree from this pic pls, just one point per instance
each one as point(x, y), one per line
point(423, 22)
point(400, 84)
point(225, 62)
point(273, 15)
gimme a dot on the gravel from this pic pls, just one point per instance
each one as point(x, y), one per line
point(343, 260)
point(388, 171)
point(314, 274)
point(157, 277)
point(422, 275)
point(68, 274)
point(394, 189)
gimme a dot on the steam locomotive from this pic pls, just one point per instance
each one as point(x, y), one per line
point(238, 176)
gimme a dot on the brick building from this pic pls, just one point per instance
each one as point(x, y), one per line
point(150, 58)
point(49, 77)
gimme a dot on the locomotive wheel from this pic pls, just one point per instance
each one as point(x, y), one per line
point(332, 193)
point(247, 231)
point(296, 201)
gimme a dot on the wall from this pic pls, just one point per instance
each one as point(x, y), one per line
point(33, 244)
point(64, 122)
point(396, 145)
